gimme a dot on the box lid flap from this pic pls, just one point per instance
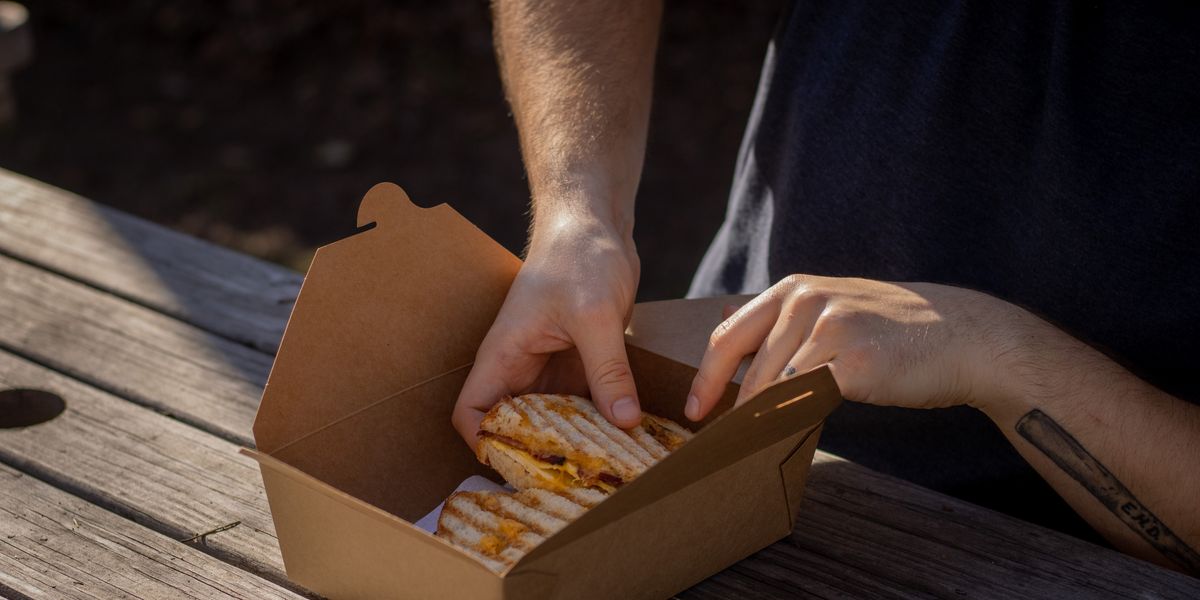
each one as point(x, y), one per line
point(376, 315)
point(679, 329)
point(783, 409)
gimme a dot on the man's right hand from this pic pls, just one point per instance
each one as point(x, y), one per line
point(577, 74)
point(562, 326)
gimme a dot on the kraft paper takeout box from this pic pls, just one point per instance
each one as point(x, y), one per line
point(355, 442)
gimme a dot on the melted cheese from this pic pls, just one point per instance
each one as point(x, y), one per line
point(565, 474)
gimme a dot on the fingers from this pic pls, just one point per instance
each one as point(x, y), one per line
point(794, 326)
point(485, 385)
point(814, 352)
point(466, 420)
point(601, 346)
point(499, 370)
point(733, 303)
point(733, 339)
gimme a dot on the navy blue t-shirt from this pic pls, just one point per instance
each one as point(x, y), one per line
point(1047, 153)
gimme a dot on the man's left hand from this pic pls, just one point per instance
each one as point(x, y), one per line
point(917, 345)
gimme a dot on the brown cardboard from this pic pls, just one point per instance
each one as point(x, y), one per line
point(355, 442)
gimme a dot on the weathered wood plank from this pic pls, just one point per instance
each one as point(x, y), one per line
point(881, 529)
point(861, 534)
point(150, 358)
point(139, 352)
point(226, 292)
point(159, 472)
point(53, 544)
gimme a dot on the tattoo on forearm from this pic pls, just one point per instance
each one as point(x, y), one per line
point(1066, 452)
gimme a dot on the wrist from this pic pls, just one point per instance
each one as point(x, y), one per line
point(576, 215)
point(1017, 347)
point(583, 199)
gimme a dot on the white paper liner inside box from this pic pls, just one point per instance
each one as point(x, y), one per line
point(473, 483)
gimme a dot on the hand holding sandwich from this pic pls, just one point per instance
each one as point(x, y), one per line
point(561, 329)
point(578, 77)
point(577, 74)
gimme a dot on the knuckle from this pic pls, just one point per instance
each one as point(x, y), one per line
point(613, 371)
point(839, 322)
point(716, 340)
point(795, 305)
point(805, 293)
point(812, 293)
point(793, 281)
point(836, 321)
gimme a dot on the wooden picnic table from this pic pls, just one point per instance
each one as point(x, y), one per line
point(160, 343)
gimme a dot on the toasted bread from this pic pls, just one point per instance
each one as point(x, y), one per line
point(559, 442)
point(498, 528)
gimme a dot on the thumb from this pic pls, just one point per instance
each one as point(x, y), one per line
point(602, 348)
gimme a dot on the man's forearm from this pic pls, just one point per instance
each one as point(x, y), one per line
point(1124, 454)
point(578, 76)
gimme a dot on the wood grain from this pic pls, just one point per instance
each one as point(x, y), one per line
point(877, 523)
point(226, 292)
point(862, 534)
point(137, 353)
point(156, 471)
point(55, 545)
point(115, 310)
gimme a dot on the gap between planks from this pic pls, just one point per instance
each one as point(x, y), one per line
point(216, 289)
point(155, 471)
point(182, 481)
point(85, 254)
point(143, 356)
point(57, 544)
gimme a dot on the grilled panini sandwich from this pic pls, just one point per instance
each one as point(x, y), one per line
point(563, 457)
point(500, 527)
point(558, 443)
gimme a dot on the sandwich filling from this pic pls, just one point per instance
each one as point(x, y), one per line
point(562, 473)
point(563, 457)
point(560, 442)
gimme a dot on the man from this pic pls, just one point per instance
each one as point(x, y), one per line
point(1030, 160)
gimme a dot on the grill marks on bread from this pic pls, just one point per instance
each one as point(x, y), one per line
point(500, 527)
point(548, 426)
point(562, 455)
point(666, 432)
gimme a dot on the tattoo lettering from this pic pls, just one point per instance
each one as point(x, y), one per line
point(1066, 452)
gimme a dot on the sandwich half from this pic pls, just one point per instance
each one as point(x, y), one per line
point(497, 528)
point(559, 443)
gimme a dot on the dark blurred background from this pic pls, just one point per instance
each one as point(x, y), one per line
point(260, 124)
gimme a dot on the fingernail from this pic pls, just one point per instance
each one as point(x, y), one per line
point(692, 409)
point(626, 409)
